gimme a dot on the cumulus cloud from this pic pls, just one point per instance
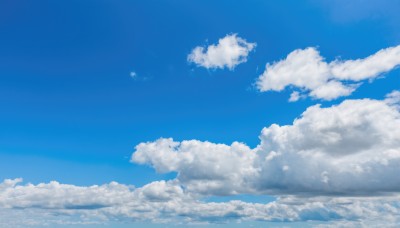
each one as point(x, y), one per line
point(203, 167)
point(349, 149)
point(229, 52)
point(307, 70)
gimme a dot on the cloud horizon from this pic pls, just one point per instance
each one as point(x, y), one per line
point(331, 179)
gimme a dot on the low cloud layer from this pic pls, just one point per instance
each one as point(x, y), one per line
point(334, 165)
point(48, 204)
point(306, 70)
point(228, 53)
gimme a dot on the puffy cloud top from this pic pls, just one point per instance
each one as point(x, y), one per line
point(204, 167)
point(229, 52)
point(351, 148)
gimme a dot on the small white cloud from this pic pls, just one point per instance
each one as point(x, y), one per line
point(306, 69)
point(294, 96)
point(229, 52)
point(133, 75)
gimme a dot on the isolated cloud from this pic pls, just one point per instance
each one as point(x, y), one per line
point(349, 149)
point(294, 96)
point(133, 74)
point(307, 70)
point(229, 52)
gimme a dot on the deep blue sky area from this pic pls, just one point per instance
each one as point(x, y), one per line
point(71, 112)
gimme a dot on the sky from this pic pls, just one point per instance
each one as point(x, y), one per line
point(199, 113)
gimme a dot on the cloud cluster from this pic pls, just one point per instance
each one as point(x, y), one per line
point(168, 202)
point(337, 163)
point(229, 52)
point(307, 70)
point(349, 149)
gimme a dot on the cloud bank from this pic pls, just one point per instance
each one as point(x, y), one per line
point(336, 165)
point(48, 204)
point(229, 52)
point(306, 70)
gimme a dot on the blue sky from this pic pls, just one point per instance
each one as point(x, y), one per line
point(72, 113)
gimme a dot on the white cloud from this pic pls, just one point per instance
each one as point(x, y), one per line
point(163, 201)
point(349, 149)
point(332, 89)
point(203, 167)
point(370, 67)
point(61, 196)
point(306, 69)
point(133, 75)
point(229, 52)
point(294, 96)
point(393, 99)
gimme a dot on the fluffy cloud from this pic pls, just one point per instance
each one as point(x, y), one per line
point(60, 196)
point(307, 70)
point(349, 149)
point(203, 167)
point(229, 52)
point(370, 67)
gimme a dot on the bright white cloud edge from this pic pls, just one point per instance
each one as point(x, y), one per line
point(306, 70)
point(228, 53)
